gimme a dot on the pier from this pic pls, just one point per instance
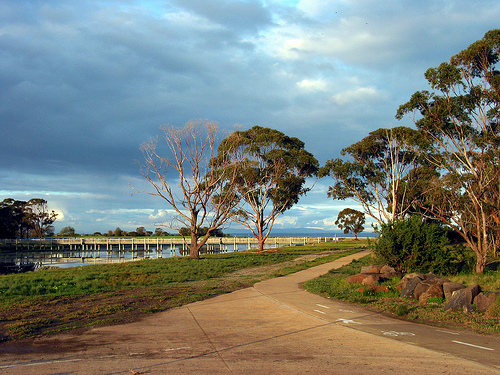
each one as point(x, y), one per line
point(95, 250)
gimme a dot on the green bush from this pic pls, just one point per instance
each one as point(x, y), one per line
point(413, 245)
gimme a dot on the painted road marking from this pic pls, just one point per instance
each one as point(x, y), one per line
point(474, 346)
point(347, 321)
point(395, 334)
point(172, 349)
point(325, 307)
point(349, 311)
point(321, 312)
point(451, 333)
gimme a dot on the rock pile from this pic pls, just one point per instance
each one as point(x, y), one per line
point(424, 287)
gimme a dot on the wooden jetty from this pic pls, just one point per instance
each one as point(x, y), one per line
point(151, 243)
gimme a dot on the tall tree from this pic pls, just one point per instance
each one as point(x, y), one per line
point(38, 217)
point(376, 172)
point(67, 232)
point(271, 171)
point(351, 221)
point(12, 214)
point(460, 117)
point(186, 180)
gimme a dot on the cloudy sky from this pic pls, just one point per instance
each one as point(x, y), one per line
point(84, 83)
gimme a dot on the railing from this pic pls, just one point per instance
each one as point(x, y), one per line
point(156, 242)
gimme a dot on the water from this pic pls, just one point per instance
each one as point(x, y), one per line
point(80, 257)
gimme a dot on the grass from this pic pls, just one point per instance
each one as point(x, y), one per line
point(56, 300)
point(333, 285)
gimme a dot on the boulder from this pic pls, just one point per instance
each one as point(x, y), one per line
point(409, 290)
point(388, 272)
point(388, 269)
point(461, 298)
point(432, 277)
point(370, 269)
point(483, 301)
point(372, 279)
point(421, 288)
point(434, 282)
point(494, 310)
point(434, 291)
point(449, 288)
point(356, 279)
point(402, 284)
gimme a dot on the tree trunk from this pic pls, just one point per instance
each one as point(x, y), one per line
point(480, 262)
point(261, 243)
point(194, 251)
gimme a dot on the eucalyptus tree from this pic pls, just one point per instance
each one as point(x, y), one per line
point(183, 176)
point(460, 118)
point(11, 218)
point(38, 217)
point(378, 172)
point(351, 221)
point(271, 172)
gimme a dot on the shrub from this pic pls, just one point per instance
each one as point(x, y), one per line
point(413, 245)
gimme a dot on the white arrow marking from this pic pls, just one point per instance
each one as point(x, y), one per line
point(347, 321)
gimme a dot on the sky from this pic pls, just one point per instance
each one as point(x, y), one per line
point(84, 83)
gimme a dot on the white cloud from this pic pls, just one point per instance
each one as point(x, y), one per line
point(313, 85)
point(358, 95)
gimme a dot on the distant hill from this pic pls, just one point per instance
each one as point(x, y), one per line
point(301, 232)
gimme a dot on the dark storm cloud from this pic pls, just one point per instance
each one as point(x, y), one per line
point(238, 16)
point(84, 83)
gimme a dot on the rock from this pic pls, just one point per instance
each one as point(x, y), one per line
point(388, 272)
point(387, 268)
point(432, 277)
point(421, 288)
point(409, 289)
point(356, 279)
point(402, 284)
point(449, 288)
point(462, 297)
point(468, 308)
point(434, 291)
point(494, 310)
point(483, 301)
point(370, 269)
point(435, 283)
point(373, 279)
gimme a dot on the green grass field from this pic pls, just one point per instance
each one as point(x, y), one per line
point(55, 300)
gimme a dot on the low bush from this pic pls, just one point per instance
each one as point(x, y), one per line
point(413, 245)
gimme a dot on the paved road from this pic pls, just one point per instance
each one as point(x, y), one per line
point(273, 328)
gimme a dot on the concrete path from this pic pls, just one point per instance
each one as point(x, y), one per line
point(273, 328)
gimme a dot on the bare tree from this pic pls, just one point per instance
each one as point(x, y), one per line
point(188, 182)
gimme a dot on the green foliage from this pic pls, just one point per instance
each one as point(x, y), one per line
point(351, 221)
point(371, 172)
point(415, 245)
point(460, 120)
point(12, 214)
point(269, 171)
point(67, 232)
point(38, 217)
